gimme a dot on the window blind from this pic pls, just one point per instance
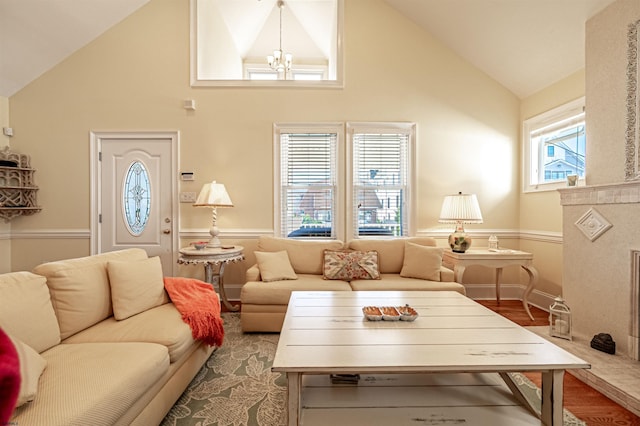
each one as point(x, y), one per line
point(308, 171)
point(380, 182)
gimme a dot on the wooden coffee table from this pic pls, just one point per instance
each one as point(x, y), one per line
point(325, 333)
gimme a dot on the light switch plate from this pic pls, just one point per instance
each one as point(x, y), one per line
point(187, 197)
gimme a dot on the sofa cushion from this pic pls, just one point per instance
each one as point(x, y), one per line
point(275, 266)
point(421, 262)
point(136, 286)
point(80, 291)
point(93, 383)
point(32, 365)
point(306, 256)
point(395, 282)
point(348, 265)
point(279, 292)
point(162, 325)
point(26, 311)
point(390, 251)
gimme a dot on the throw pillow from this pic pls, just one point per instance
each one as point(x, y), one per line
point(351, 265)
point(422, 262)
point(136, 286)
point(275, 266)
point(32, 364)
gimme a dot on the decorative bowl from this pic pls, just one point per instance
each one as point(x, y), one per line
point(372, 313)
point(199, 245)
point(407, 313)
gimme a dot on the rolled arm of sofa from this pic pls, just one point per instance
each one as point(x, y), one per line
point(253, 273)
point(446, 274)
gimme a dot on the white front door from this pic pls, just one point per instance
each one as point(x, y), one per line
point(135, 194)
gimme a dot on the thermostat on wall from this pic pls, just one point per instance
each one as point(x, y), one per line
point(186, 175)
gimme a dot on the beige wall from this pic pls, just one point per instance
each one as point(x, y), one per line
point(136, 76)
point(5, 228)
point(541, 212)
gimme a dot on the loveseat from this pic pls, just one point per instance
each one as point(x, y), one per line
point(285, 265)
point(99, 341)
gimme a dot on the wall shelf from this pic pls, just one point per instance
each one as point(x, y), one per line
point(18, 191)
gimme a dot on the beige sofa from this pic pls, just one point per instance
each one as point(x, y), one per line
point(103, 344)
point(264, 303)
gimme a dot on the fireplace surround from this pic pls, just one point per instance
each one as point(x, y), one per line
point(601, 275)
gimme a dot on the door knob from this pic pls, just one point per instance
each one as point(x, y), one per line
point(166, 231)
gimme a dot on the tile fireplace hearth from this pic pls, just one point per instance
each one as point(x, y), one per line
point(615, 376)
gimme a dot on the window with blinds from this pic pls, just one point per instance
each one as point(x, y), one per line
point(555, 147)
point(314, 170)
point(307, 182)
point(380, 178)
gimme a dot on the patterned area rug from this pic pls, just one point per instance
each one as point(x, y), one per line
point(236, 387)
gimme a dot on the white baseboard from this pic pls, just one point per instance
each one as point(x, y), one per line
point(537, 298)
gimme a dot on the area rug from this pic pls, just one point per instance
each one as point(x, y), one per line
point(236, 387)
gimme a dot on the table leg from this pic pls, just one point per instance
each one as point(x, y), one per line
point(458, 272)
point(498, 278)
point(223, 294)
point(294, 381)
point(533, 279)
point(552, 387)
point(208, 274)
point(517, 392)
point(208, 277)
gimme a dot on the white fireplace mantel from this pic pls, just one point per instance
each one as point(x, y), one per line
point(618, 193)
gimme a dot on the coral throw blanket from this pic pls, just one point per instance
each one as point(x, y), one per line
point(199, 306)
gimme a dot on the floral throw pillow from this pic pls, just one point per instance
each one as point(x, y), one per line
point(351, 265)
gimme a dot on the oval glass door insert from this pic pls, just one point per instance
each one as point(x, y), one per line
point(136, 198)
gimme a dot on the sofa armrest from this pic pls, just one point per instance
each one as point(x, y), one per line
point(446, 274)
point(253, 274)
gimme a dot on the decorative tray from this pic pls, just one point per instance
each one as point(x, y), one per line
point(390, 313)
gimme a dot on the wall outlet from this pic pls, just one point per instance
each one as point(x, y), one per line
point(187, 197)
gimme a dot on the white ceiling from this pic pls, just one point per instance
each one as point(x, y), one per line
point(525, 45)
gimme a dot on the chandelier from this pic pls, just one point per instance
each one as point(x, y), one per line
point(279, 62)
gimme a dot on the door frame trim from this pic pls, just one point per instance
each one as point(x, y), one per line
point(95, 147)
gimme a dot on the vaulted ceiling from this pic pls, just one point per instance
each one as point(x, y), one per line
point(525, 45)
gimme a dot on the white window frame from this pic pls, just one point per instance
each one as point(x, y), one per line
point(338, 207)
point(408, 129)
point(257, 68)
point(532, 152)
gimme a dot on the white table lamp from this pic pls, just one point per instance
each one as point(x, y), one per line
point(460, 208)
point(213, 195)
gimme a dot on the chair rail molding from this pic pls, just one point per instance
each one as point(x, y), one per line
point(50, 234)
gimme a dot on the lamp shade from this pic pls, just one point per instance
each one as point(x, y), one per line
point(460, 208)
point(213, 195)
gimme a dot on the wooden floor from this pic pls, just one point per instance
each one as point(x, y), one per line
point(586, 403)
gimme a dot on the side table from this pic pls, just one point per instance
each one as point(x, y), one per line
point(497, 259)
point(210, 257)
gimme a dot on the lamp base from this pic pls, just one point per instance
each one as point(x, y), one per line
point(459, 241)
point(214, 243)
